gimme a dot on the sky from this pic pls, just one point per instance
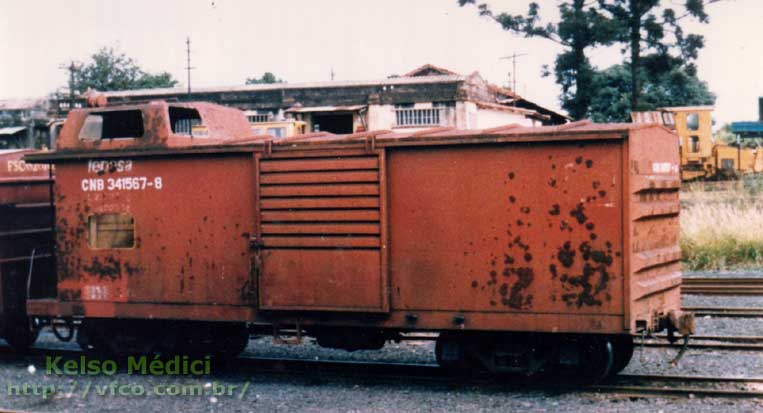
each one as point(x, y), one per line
point(304, 40)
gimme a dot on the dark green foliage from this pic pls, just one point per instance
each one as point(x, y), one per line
point(580, 28)
point(653, 27)
point(611, 100)
point(660, 54)
point(267, 77)
point(113, 70)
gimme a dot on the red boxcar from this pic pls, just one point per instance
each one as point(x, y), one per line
point(515, 243)
point(25, 242)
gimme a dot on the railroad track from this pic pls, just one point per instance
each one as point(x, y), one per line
point(687, 386)
point(730, 312)
point(705, 346)
point(624, 385)
point(722, 286)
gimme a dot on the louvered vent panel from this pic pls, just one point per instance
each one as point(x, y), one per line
point(320, 202)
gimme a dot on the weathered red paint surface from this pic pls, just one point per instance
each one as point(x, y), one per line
point(561, 229)
point(21, 182)
point(25, 228)
point(187, 249)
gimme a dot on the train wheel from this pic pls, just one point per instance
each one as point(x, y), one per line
point(20, 335)
point(451, 353)
point(222, 340)
point(598, 359)
point(623, 348)
point(233, 341)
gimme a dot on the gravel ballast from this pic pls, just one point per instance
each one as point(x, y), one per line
point(294, 392)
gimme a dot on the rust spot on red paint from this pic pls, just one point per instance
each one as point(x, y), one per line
point(566, 255)
point(109, 268)
point(579, 214)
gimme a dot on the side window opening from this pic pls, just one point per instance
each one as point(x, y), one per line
point(118, 124)
point(692, 121)
point(277, 132)
point(694, 143)
point(111, 231)
point(186, 121)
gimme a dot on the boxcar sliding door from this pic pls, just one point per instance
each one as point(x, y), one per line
point(321, 236)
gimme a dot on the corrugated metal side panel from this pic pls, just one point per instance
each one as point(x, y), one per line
point(320, 202)
point(321, 230)
point(654, 207)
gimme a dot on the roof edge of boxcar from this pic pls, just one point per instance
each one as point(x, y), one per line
point(575, 131)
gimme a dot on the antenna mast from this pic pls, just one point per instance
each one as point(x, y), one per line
point(513, 58)
point(72, 68)
point(188, 66)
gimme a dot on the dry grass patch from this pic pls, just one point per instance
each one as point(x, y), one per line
point(722, 228)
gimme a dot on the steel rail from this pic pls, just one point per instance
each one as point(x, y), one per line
point(703, 346)
point(730, 312)
point(722, 286)
point(431, 372)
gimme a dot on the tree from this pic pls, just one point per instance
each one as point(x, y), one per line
point(267, 77)
point(645, 26)
point(611, 99)
point(580, 28)
point(655, 44)
point(113, 70)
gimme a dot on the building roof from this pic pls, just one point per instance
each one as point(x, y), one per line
point(311, 109)
point(687, 108)
point(20, 104)
point(298, 85)
point(477, 89)
point(12, 130)
point(429, 70)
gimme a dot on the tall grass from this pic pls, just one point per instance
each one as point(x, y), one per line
point(722, 225)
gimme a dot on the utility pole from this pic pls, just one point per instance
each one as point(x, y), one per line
point(332, 73)
point(513, 58)
point(73, 67)
point(188, 66)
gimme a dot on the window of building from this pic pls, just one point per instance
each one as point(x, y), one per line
point(118, 124)
point(185, 121)
point(259, 118)
point(277, 132)
point(111, 231)
point(727, 164)
point(409, 115)
point(692, 121)
point(694, 143)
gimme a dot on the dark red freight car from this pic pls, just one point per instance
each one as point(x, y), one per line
point(26, 242)
point(523, 247)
